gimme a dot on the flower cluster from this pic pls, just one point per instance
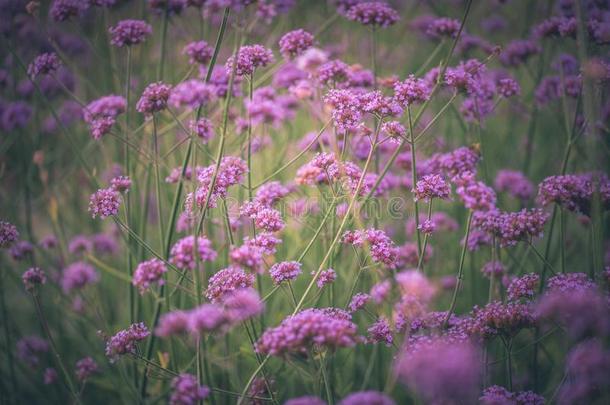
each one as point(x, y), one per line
point(249, 58)
point(129, 32)
point(43, 64)
point(147, 273)
point(375, 13)
point(308, 329)
point(125, 341)
point(154, 98)
point(182, 254)
point(294, 43)
point(285, 271)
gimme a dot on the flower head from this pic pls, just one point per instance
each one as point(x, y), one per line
point(147, 273)
point(124, 341)
point(154, 98)
point(129, 32)
point(374, 13)
point(33, 277)
point(294, 43)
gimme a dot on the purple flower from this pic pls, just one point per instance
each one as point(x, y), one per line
point(325, 277)
point(85, 368)
point(270, 193)
point(192, 94)
point(187, 391)
point(203, 128)
point(43, 64)
point(249, 58)
point(294, 43)
point(154, 98)
point(380, 332)
point(147, 273)
point(198, 52)
point(226, 281)
point(441, 371)
point(15, 115)
point(514, 183)
point(306, 400)
point(358, 301)
point(285, 271)
point(332, 73)
point(122, 184)
point(8, 234)
point(493, 269)
point(129, 32)
point(498, 319)
point(374, 13)
point(49, 376)
point(242, 304)
point(496, 395)
point(431, 186)
point(230, 173)
point(427, 226)
point(124, 341)
point(571, 191)
point(475, 194)
point(380, 291)
point(248, 256)
point(104, 203)
point(62, 10)
point(78, 275)
point(172, 323)
point(588, 371)
point(518, 52)
point(182, 253)
point(33, 277)
point(523, 287)
point(443, 27)
point(29, 348)
point(395, 130)
point(80, 244)
point(207, 318)
point(266, 242)
point(411, 91)
point(306, 329)
point(508, 87)
point(101, 114)
point(21, 249)
point(367, 398)
point(170, 7)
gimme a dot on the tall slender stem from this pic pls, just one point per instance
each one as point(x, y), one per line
point(420, 262)
point(460, 276)
point(58, 359)
point(414, 181)
point(128, 201)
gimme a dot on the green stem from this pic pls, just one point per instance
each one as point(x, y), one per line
point(460, 276)
point(420, 262)
point(163, 45)
point(58, 359)
point(414, 181)
point(562, 239)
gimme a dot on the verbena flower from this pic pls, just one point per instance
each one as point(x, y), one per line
point(85, 368)
point(43, 64)
point(326, 277)
point(129, 32)
point(514, 183)
point(104, 203)
point(29, 348)
point(148, 273)
point(187, 391)
point(8, 234)
point(154, 98)
point(375, 13)
point(294, 43)
point(198, 52)
point(125, 341)
point(33, 277)
point(77, 276)
point(367, 397)
point(249, 58)
point(307, 329)
point(182, 254)
point(431, 186)
point(285, 271)
point(226, 281)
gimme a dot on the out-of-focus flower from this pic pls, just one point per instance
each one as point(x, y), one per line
point(129, 32)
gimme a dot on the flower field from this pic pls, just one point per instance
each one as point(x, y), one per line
point(304, 202)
